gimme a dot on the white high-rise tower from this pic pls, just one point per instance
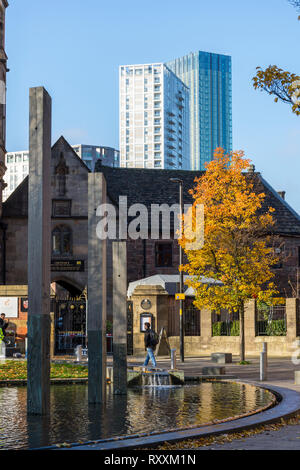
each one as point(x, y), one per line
point(154, 118)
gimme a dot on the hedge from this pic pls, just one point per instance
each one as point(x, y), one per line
point(221, 328)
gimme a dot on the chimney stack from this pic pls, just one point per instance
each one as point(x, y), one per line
point(281, 194)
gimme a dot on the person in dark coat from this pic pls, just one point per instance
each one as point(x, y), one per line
point(3, 323)
point(150, 345)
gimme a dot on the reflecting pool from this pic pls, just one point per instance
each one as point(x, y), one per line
point(147, 409)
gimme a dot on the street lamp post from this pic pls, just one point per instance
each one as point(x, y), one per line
point(181, 305)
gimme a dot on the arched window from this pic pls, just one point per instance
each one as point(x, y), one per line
point(62, 241)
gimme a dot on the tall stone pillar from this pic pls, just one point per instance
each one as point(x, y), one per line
point(250, 331)
point(292, 308)
point(120, 317)
point(39, 239)
point(96, 313)
point(3, 72)
point(206, 324)
point(250, 310)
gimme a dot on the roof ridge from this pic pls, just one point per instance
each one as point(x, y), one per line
point(280, 199)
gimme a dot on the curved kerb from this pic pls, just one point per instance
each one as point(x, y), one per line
point(288, 405)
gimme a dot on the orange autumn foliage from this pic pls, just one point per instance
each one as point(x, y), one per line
point(238, 237)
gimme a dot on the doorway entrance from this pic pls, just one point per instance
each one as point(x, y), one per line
point(70, 325)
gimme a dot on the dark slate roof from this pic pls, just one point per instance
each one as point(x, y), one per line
point(147, 186)
point(287, 220)
point(152, 186)
point(17, 203)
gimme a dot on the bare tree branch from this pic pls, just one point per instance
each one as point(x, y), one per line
point(284, 85)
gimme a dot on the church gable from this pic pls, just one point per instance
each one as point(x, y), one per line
point(63, 156)
point(69, 180)
point(69, 184)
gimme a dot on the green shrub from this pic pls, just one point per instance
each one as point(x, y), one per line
point(276, 328)
point(109, 327)
point(235, 328)
point(271, 328)
point(220, 328)
point(216, 328)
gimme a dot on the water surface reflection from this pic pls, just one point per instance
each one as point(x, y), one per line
point(71, 419)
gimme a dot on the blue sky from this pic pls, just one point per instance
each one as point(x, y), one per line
point(74, 49)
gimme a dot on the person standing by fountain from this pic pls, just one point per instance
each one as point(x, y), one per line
point(3, 323)
point(151, 341)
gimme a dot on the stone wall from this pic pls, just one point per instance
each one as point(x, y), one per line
point(204, 345)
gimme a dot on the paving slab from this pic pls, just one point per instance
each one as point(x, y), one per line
point(287, 438)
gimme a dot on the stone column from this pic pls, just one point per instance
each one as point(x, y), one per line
point(250, 310)
point(3, 72)
point(96, 312)
point(39, 233)
point(292, 306)
point(120, 317)
point(206, 324)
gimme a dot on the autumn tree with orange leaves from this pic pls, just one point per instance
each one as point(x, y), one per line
point(238, 242)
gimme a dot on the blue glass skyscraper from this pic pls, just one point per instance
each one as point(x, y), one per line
point(208, 77)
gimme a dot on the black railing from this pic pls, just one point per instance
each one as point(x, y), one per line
point(173, 318)
point(225, 323)
point(191, 319)
point(271, 321)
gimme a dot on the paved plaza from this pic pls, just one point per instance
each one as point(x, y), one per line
point(280, 370)
point(280, 373)
point(286, 438)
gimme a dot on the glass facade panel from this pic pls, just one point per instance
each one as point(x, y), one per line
point(208, 77)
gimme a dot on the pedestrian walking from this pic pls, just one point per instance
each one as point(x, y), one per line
point(151, 340)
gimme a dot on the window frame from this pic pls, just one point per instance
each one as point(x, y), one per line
point(61, 230)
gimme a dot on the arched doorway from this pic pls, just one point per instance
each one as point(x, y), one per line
point(69, 307)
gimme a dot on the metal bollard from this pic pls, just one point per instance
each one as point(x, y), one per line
point(173, 359)
point(78, 352)
point(2, 350)
point(263, 366)
point(265, 350)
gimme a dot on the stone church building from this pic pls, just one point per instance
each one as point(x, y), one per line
point(145, 257)
point(69, 183)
